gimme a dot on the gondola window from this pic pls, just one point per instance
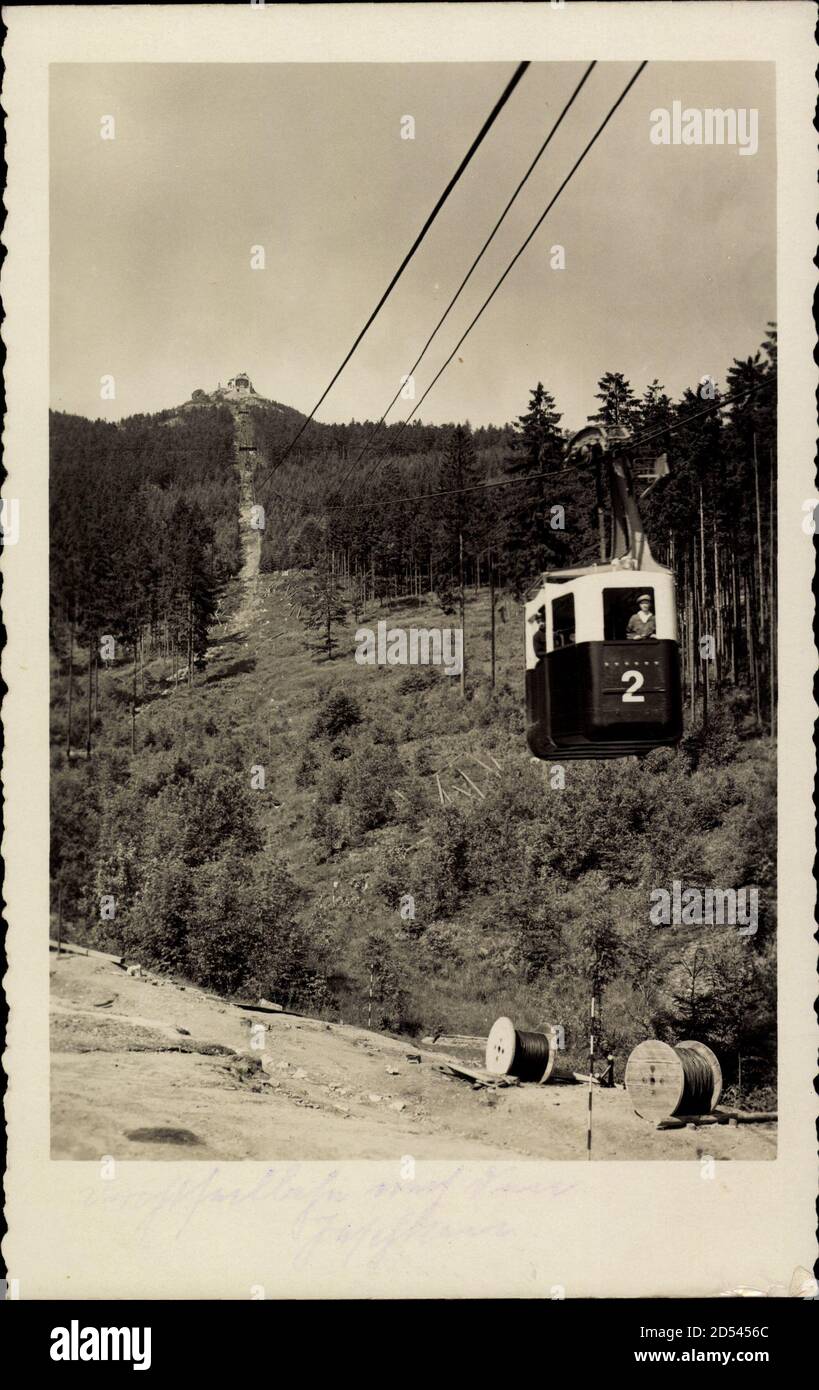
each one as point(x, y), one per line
point(563, 624)
point(620, 606)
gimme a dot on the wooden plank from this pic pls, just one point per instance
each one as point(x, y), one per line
point(472, 784)
point(747, 1117)
point(690, 1121)
point(455, 1040)
point(264, 1006)
point(493, 771)
point(485, 1078)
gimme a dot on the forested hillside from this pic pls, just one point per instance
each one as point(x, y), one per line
point(143, 530)
point(336, 506)
point(238, 801)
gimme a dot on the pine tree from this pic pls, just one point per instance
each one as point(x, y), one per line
point(325, 606)
point(532, 542)
point(619, 403)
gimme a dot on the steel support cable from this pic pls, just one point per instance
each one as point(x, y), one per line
point(512, 263)
point(419, 359)
point(476, 143)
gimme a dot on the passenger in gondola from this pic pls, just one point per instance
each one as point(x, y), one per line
point(643, 623)
point(539, 639)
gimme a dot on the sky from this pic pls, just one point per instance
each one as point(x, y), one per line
point(670, 251)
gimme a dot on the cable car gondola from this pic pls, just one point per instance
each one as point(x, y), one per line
point(602, 654)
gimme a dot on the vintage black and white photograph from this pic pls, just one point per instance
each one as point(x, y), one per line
point(413, 498)
point(408, 537)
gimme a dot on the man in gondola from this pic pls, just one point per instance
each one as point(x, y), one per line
point(642, 624)
point(539, 639)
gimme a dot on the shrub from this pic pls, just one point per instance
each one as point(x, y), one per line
point(418, 679)
point(414, 803)
point(502, 708)
point(330, 783)
point(340, 750)
point(232, 930)
point(337, 714)
point(326, 826)
point(392, 874)
point(373, 772)
point(441, 868)
point(156, 929)
point(441, 947)
point(715, 743)
point(422, 764)
point(391, 998)
point(306, 768)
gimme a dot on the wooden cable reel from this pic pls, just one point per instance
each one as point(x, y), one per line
point(663, 1081)
point(511, 1052)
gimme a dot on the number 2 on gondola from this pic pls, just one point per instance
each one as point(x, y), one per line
point(637, 678)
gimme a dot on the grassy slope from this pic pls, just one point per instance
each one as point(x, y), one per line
point(280, 696)
point(259, 690)
point(259, 694)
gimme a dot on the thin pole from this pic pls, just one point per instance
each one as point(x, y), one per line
point(70, 677)
point(463, 617)
point(133, 699)
point(91, 649)
point(761, 605)
point(190, 641)
point(370, 1001)
point(703, 624)
point(591, 1083)
point(492, 610)
point(718, 635)
point(771, 607)
point(689, 606)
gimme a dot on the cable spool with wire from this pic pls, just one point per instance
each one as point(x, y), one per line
point(663, 1081)
point(513, 1052)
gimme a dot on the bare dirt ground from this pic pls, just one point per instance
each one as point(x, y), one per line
point(143, 1067)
